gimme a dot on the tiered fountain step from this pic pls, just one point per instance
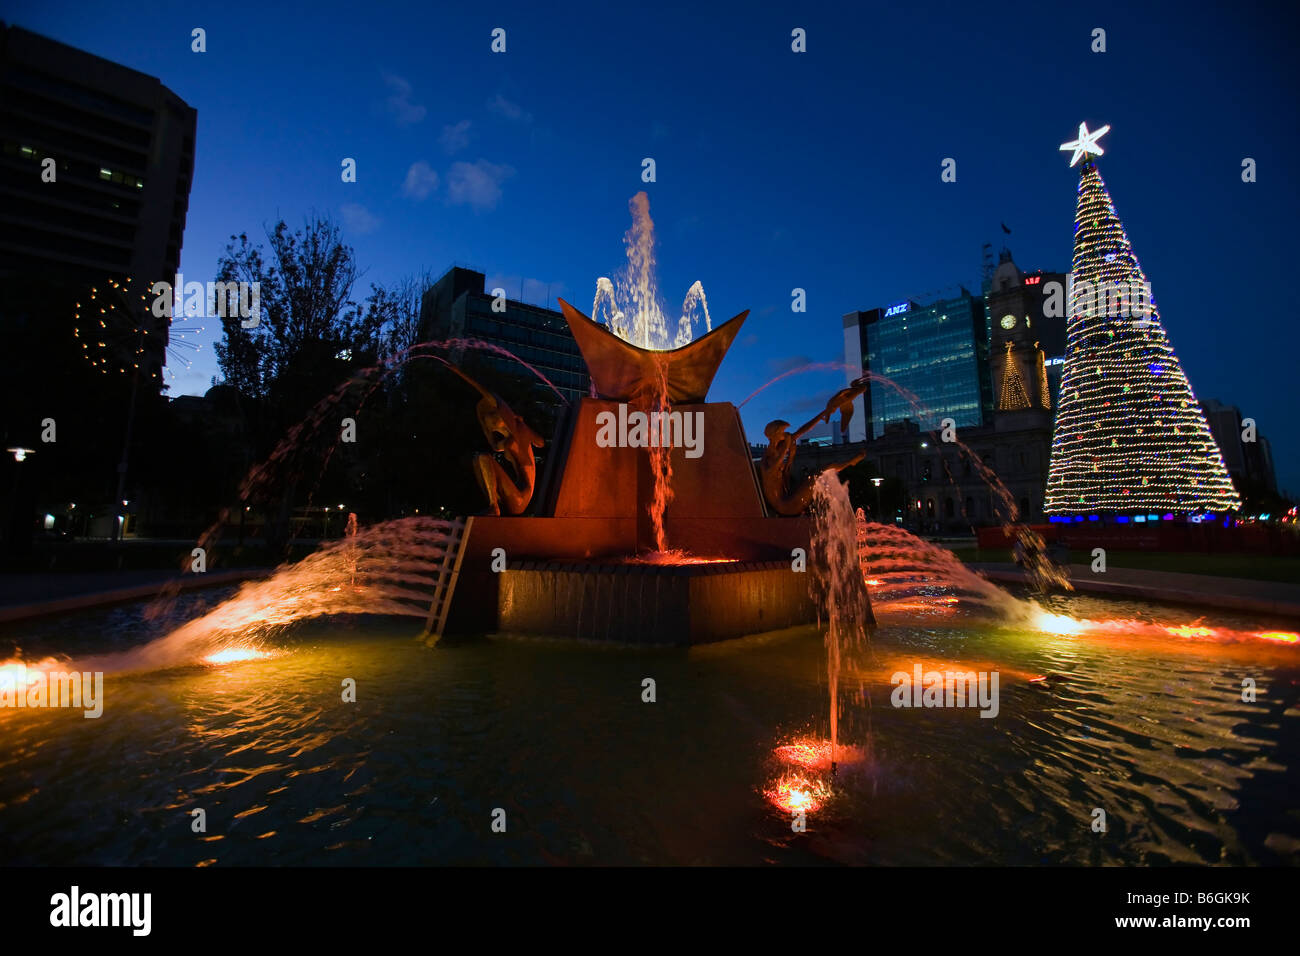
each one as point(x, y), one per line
point(649, 603)
point(584, 588)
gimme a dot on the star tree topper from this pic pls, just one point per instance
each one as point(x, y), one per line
point(1086, 145)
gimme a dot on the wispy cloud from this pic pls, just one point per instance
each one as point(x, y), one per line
point(399, 103)
point(358, 218)
point(455, 137)
point(509, 109)
point(477, 184)
point(421, 180)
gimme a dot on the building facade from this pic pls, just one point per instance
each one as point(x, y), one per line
point(1026, 323)
point(992, 364)
point(96, 162)
point(122, 146)
point(1246, 452)
point(458, 306)
point(936, 355)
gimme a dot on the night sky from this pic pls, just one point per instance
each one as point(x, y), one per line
point(775, 170)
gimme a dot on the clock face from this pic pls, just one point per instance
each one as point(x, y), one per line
point(1008, 321)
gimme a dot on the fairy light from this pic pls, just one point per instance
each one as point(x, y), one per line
point(1044, 399)
point(1013, 397)
point(1130, 436)
point(127, 326)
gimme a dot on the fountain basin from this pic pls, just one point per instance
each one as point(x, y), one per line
point(574, 578)
point(651, 604)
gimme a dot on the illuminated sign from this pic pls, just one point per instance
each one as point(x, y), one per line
point(1033, 280)
point(898, 308)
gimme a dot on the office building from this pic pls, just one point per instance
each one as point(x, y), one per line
point(122, 146)
point(458, 306)
point(937, 356)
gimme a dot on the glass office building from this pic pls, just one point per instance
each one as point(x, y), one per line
point(937, 353)
point(459, 306)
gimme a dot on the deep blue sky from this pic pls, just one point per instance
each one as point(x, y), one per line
point(775, 170)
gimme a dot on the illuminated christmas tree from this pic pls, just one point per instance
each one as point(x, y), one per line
point(1130, 436)
point(1012, 395)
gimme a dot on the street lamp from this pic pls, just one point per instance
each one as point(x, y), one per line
point(20, 455)
point(878, 482)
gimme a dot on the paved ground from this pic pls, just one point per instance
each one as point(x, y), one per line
point(29, 588)
point(35, 595)
point(1238, 594)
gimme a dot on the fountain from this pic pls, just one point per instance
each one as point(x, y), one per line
point(649, 522)
point(609, 550)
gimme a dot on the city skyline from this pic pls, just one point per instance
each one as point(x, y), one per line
point(761, 187)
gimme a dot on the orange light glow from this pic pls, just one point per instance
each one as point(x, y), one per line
point(815, 754)
point(674, 557)
point(233, 654)
point(16, 674)
point(793, 793)
point(1186, 630)
point(1286, 637)
point(1057, 623)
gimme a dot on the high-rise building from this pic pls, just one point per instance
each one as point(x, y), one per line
point(458, 306)
point(1246, 453)
point(114, 198)
point(936, 355)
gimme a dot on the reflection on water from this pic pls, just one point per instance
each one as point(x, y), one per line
point(1153, 731)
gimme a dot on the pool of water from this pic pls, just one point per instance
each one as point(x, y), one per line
point(557, 735)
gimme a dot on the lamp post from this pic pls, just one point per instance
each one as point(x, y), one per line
point(878, 482)
point(20, 455)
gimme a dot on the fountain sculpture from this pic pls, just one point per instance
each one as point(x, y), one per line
point(588, 558)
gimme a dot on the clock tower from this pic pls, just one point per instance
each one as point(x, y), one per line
point(1022, 336)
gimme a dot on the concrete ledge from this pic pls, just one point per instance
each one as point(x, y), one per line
point(140, 592)
point(1180, 593)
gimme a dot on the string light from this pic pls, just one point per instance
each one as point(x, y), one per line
point(126, 327)
point(1044, 398)
point(1130, 436)
point(1013, 395)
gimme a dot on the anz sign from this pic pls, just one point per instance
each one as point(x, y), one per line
point(897, 309)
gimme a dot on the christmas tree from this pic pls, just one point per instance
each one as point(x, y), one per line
point(1013, 395)
point(1130, 436)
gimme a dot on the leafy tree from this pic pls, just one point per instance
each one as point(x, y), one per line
point(308, 323)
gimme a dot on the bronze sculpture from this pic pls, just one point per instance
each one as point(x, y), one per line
point(774, 468)
point(509, 435)
point(621, 371)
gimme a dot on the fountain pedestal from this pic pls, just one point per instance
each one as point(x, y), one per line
point(579, 568)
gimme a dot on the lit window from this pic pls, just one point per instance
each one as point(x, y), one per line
point(105, 173)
